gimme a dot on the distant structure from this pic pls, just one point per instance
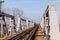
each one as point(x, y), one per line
point(50, 23)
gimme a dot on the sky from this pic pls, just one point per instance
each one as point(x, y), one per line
point(33, 9)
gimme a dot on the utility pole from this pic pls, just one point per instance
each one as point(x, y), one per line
point(1, 1)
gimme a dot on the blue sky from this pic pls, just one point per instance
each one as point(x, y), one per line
point(33, 9)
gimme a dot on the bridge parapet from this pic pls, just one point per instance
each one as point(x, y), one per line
point(50, 23)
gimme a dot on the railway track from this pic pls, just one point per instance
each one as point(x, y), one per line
point(39, 34)
point(34, 33)
point(30, 34)
point(18, 35)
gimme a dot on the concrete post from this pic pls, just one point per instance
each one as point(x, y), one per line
point(1, 1)
point(17, 13)
point(27, 23)
point(54, 24)
point(1, 27)
point(18, 24)
point(11, 25)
